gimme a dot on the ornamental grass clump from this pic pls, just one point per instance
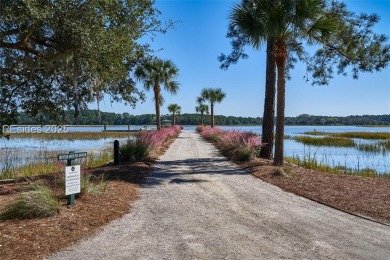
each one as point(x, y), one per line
point(39, 202)
point(211, 134)
point(199, 129)
point(156, 138)
point(93, 185)
point(145, 142)
point(135, 150)
point(236, 145)
point(239, 146)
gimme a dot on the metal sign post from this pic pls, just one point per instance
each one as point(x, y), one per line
point(72, 175)
point(72, 182)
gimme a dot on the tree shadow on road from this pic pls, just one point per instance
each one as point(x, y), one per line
point(187, 170)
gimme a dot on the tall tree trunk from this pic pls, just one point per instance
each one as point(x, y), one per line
point(212, 114)
point(99, 114)
point(267, 136)
point(280, 52)
point(157, 104)
point(201, 118)
point(173, 118)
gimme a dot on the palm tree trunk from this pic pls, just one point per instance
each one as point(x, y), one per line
point(157, 104)
point(173, 118)
point(201, 118)
point(212, 114)
point(267, 136)
point(280, 53)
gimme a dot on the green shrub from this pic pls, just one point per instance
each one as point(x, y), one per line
point(134, 150)
point(39, 202)
point(244, 154)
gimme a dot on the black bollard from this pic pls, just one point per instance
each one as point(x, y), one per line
point(116, 152)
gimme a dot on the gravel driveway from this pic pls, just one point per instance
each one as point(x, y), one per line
point(196, 205)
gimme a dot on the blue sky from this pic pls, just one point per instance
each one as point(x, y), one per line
point(199, 38)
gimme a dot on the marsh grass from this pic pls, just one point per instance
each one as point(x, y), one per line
point(31, 169)
point(358, 135)
point(325, 141)
point(345, 140)
point(311, 162)
point(316, 133)
point(50, 164)
point(377, 147)
point(386, 144)
point(364, 135)
point(73, 135)
point(39, 202)
point(98, 158)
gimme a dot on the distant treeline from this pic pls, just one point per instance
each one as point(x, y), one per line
point(93, 117)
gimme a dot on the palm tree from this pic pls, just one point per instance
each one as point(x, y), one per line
point(155, 72)
point(174, 109)
point(201, 108)
point(240, 40)
point(267, 131)
point(282, 21)
point(213, 96)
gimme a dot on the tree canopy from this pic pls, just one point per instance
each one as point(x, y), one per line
point(57, 55)
point(91, 117)
point(355, 46)
point(344, 39)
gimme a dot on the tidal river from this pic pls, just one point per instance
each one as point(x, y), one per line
point(27, 148)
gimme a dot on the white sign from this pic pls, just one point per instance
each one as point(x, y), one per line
point(72, 179)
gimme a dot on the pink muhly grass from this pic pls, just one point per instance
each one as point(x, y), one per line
point(211, 133)
point(200, 128)
point(236, 145)
point(156, 138)
point(242, 139)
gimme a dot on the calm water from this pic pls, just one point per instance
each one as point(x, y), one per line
point(350, 157)
point(332, 156)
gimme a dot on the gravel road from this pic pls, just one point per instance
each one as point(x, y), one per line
point(196, 205)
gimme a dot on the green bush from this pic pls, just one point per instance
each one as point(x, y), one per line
point(39, 202)
point(244, 154)
point(134, 150)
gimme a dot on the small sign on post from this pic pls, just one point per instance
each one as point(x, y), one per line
point(72, 156)
point(72, 180)
point(72, 175)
